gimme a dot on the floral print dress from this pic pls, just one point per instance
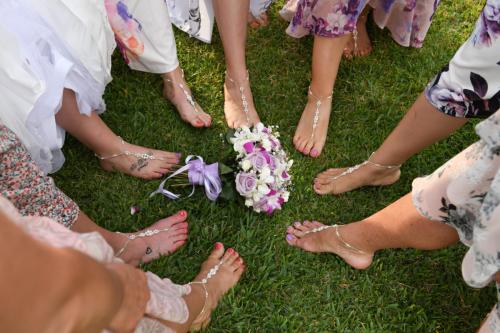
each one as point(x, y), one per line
point(408, 20)
point(24, 184)
point(465, 194)
point(469, 86)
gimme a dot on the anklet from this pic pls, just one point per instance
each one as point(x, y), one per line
point(147, 233)
point(204, 282)
point(339, 237)
point(189, 97)
point(244, 101)
point(319, 102)
point(357, 166)
point(143, 156)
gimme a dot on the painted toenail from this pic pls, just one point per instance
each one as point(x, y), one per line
point(297, 224)
point(289, 237)
point(218, 246)
point(235, 253)
point(230, 250)
point(182, 213)
point(314, 152)
point(178, 155)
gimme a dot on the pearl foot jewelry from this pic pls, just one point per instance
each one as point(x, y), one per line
point(339, 237)
point(147, 233)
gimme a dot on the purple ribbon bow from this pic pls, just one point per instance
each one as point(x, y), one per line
point(198, 174)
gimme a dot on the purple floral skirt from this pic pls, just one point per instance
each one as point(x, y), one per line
point(469, 86)
point(408, 20)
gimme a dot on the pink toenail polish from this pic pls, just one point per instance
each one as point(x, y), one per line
point(230, 250)
point(314, 152)
point(235, 253)
point(182, 213)
point(289, 237)
point(218, 246)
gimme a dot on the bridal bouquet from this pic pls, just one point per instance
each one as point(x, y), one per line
point(262, 177)
point(264, 169)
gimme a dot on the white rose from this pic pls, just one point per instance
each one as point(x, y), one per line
point(246, 165)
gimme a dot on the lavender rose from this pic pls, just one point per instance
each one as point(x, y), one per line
point(258, 160)
point(246, 183)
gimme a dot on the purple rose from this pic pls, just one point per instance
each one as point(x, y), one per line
point(245, 183)
point(258, 160)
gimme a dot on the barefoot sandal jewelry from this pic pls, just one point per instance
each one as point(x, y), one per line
point(143, 234)
point(319, 102)
point(189, 97)
point(339, 237)
point(142, 158)
point(204, 282)
point(244, 101)
point(357, 166)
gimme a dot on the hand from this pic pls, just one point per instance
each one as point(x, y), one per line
point(135, 297)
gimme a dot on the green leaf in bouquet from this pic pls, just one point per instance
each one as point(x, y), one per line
point(224, 169)
point(228, 192)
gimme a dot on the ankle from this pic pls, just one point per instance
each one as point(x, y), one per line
point(175, 76)
point(319, 91)
point(236, 78)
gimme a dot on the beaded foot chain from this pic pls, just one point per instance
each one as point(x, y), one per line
point(356, 167)
point(319, 102)
point(141, 157)
point(189, 97)
point(147, 233)
point(204, 282)
point(244, 101)
point(339, 237)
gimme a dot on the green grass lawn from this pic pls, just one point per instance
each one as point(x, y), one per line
point(285, 289)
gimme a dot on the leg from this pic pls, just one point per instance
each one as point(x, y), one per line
point(93, 132)
point(422, 126)
point(327, 53)
point(149, 46)
point(359, 45)
point(231, 22)
point(399, 225)
point(136, 251)
point(222, 281)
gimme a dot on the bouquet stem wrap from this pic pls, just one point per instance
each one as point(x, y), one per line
point(198, 173)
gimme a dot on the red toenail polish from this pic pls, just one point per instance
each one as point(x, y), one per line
point(235, 253)
point(182, 213)
point(230, 250)
point(218, 246)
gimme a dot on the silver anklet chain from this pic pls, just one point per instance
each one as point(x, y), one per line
point(189, 96)
point(244, 101)
point(319, 102)
point(204, 282)
point(357, 166)
point(144, 156)
point(131, 237)
point(339, 237)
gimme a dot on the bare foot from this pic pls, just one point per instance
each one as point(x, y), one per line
point(363, 43)
point(173, 234)
point(325, 241)
point(311, 141)
point(257, 22)
point(365, 175)
point(227, 276)
point(234, 104)
point(126, 158)
point(176, 90)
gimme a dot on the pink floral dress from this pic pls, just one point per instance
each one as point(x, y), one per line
point(465, 194)
point(24, 184)
point(408, 20)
